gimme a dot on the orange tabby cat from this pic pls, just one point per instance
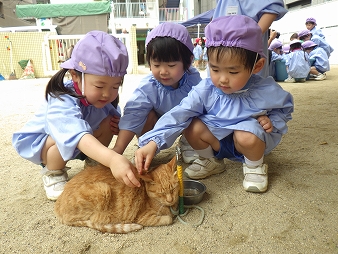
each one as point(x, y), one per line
point(94, 198)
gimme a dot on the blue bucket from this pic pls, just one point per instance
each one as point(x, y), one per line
point(281, 73)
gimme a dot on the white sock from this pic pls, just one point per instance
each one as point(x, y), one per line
point(253, 164)
point(206, 153)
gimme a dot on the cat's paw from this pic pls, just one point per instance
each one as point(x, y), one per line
point(165, 220)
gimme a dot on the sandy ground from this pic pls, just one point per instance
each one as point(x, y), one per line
point(298, 213)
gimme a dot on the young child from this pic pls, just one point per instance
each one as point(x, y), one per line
point(78, 116)
point(276, 54)
point(263, 12)
point(311, 25)
point(169, 54)
point(320, 60)
point(306, 35)
point(297, 63)
point(294, 36)
point(198, 51)
point(204, 58)
point(234, 114)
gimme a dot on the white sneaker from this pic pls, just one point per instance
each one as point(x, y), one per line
point(312, 77)
point(202, 168)
point(290, 80)
point(188, 153)
point(321, 76)
point(54, 182)
point(255, 179)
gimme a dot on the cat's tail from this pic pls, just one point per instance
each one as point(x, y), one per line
point(120, 228)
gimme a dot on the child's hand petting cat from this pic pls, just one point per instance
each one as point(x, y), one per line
point(144, 156)
point(265, 122)
point(122, 170)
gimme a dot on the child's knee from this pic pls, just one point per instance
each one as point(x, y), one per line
point(246, 139)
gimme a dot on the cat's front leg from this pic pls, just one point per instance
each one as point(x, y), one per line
point(155, 220)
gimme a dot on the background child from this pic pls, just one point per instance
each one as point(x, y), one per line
point(198, 51)
point(297, 63)
point(78, 115)
point(169, 54)
point(276, 54)
point(234, 114)
point(306, 35)
point(321, 61)
point(263, 12)
point(311, 25)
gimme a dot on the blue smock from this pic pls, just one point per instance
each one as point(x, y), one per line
point(152, 95)
point(197, 52)
point(254, 10)
point(317, 31)
point(298, 64)
point(321, 60)
point(322, 44)
point(64, 121)
point(223, 113)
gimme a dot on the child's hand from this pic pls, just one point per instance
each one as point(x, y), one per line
point(144, 156)
point(114, 124)
point(122, 170)
point(265, 122)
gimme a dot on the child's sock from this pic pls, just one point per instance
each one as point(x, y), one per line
point(206, 153)
point(253, 164)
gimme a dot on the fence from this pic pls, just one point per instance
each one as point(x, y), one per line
point(57, 49)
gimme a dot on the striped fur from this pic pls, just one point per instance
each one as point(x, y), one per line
point(94, 199)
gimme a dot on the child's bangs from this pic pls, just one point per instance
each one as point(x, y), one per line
point(164, 50)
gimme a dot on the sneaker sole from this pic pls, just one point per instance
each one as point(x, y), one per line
point(255, 189)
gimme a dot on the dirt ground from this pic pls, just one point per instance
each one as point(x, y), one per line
point(298, 213)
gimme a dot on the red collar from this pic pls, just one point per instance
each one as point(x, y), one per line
point(77, 90)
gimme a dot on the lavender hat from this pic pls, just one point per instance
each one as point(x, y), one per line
point(275, 44)
point(173, 30)
point(308, 44)
point(313, 20)
point(235, 31)
point(99, 53)
point(286, 48)
point(303, 33)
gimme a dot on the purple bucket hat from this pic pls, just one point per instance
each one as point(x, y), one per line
point(99, 53)
point(303, 33)
point(275, 44)
point(313, 20)
point(235, 31)
point(286, 48)
point(308, 44)
point(173, 30)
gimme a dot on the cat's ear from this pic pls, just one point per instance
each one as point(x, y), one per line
point(172, 163)
point(147, 178)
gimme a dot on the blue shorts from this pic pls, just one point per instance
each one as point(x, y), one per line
point(319, 70)
point(228, 150)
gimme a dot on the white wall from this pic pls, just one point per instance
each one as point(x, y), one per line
point(327, 19)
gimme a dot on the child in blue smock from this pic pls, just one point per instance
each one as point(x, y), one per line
point(169, 54)
point(297, 63)
point(311, 25)
point(198, 51)
point(78, 116)
point(306, 35)
point(263, 12)
point(234, 114)
point(320, 60)
point(276, 55)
